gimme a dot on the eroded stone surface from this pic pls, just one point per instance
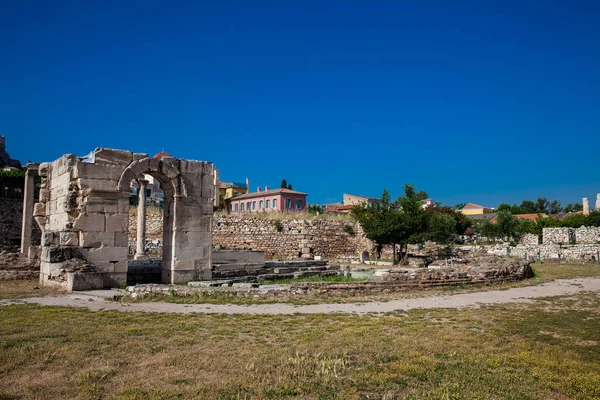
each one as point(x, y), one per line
point(84, 212)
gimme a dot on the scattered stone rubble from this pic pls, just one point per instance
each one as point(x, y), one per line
point(16, 266)
point(464, 269)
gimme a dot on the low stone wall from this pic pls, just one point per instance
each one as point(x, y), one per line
point(11, 217)
point(587, 235)
point(292, 239)
point(558, 235)
point(576, 253)
point(528, 238)
point(154, 224)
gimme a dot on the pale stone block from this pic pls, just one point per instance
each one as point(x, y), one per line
point(90, 222)
point(113, 156)
point(97, 239)
point(99, 185)
point(58, 221)
point(49, 238)
point(69, 238)
point(95, 255)
point(139, 156)
point(84, 281)
point(43, 169)
point(121, 239)
point(44, 195)
point(98, 171)
point(39, 210)
point(117, 222)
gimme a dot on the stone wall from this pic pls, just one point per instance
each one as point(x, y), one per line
point(154, 224)
point(11, 217)
point(547, 252)
point(558, 235)
point(587, 235)
point(292, 239)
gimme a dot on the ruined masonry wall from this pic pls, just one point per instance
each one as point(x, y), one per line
point(11, 217)
point(154, 225)
point(294, 239)
point(577, 253)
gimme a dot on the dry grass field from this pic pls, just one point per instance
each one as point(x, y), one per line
point(549, 349)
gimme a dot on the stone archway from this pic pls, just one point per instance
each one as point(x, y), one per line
point(84, 210)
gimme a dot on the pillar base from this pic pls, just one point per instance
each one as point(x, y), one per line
point(142, 256)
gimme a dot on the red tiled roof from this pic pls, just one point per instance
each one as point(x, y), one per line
point(162, 154)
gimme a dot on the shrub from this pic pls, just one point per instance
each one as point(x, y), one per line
point(278, 226)
point(349, 230)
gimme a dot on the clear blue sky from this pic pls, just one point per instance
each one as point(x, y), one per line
point(483, 102)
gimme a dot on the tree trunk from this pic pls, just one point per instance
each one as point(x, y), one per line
point(395, 259)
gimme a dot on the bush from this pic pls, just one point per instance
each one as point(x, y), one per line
point(349, 230)
point(278, 226)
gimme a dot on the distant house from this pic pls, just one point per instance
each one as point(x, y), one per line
point(283, 200)
point(427, 203)
point(228, 190)
point(474, 209)
point(349, 201)
point(352, 200)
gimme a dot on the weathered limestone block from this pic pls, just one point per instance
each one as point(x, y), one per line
point(69, 238)
point(112, 156)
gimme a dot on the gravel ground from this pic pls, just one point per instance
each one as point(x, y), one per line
point(96, 300)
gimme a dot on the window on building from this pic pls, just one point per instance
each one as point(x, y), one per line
point(288, 203)
point(253, 205)
point(260, 204)
point(248, 206)
point(235, 207)
point(299, 203)
point(242, 207)
point(274, 203)
point(267, 204)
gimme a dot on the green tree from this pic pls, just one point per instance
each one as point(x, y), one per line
point(555, 207)
point(283, 184)
point(380, 221)
point(541, 205)
point(441, 228)
point(421, 195)
point(486, 228)
point(527, 207)
point(575, 221)
point(507, 224)
point(289, 186)
point(399, 222)
point(594, 218)
point(569, 208)
point(504, 207)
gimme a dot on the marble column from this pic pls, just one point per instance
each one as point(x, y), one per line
point(598, 202)
point(141, 222)
point(28, 208)
point(586, 206)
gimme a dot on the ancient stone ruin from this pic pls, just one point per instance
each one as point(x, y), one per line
point(83, 211)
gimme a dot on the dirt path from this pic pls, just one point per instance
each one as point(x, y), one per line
point(95, 301)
